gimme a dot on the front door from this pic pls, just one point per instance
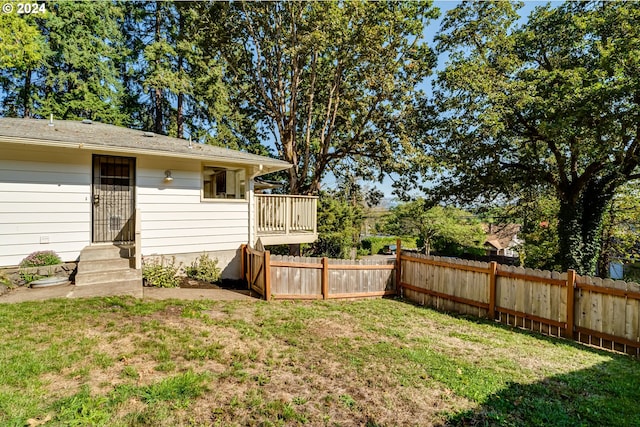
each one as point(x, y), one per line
point(113, 199)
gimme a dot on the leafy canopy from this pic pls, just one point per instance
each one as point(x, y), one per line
point(554, 102)
point(443, 229)
point(333, 83)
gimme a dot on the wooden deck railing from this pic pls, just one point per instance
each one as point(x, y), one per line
point(282, 214)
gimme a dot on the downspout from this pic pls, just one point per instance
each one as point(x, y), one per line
point(252, 207)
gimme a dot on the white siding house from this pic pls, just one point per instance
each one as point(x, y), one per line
point(71, 185)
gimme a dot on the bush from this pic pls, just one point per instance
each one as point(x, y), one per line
point(161, 274)
point(332, 245)
point(4, 280)
point(41, 259)
point(374, 245)
point(204, 268)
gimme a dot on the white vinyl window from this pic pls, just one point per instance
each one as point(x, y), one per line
point(219, 182)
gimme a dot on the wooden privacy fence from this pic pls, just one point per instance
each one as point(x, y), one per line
point(603, 313)
point(287, 277)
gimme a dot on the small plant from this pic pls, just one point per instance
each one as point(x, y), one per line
point(129, 372)
point(348, 401)
point(204, 268)
point(161, 274)
point(4, 280)
point(30, 277)
point(40, 259)
point(37, 259)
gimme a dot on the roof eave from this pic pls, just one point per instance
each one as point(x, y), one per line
point(263, 166)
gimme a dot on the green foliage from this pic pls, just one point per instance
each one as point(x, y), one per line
point(446, 230)
point(632, 272)
point(333, 82)
point(204, 268)
point(374, 245)
point(620, 237)
point(23, 46)
point(81, 76)
point(37, 259)
point(29, 277)
point(4, 280)
point(550, 103)
point(339, 222)
point(160, 273)
point(40, 259)
point(537, 213)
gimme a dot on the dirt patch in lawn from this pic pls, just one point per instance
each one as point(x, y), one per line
point(285, 363)
point(189, 283)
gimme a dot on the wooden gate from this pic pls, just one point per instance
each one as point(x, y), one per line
point(255, 269)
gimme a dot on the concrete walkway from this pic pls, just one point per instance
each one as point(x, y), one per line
point(24, 293)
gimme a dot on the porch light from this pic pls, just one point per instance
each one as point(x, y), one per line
point(167, 176)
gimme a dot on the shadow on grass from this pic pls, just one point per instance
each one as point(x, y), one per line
point(606, 394)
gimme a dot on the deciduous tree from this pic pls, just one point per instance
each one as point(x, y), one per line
point(437, 227)
point(331, 81)
point(552, 102)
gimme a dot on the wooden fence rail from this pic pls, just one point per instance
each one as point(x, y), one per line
point(603, 313)
point(290, 277)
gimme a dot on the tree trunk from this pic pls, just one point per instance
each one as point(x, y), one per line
point(26, 96)
point(179, 108)
point(604, 259)
point(180, 116)
point(294, 249)
point(579, 229)
point(157, 119)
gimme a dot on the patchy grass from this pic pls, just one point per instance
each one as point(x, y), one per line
point(125, 362)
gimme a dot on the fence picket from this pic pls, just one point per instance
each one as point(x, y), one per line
point(604, 313)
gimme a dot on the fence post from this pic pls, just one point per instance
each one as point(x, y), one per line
point(493, 269)
point(267, 275)
point(398, 267)
point(571, 283)
point(325, 278)
point(243, 274)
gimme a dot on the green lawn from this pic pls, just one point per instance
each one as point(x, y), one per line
point(123, 362)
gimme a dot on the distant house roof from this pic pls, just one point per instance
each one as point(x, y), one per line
point(495, 243)
point(501, 236)
point(99, 136)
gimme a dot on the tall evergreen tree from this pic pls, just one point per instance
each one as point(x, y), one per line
point(81, 77)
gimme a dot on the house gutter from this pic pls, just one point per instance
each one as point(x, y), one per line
point(264, 166)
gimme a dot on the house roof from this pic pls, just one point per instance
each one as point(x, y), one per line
point(501, 236)
point(99, 136)
point(495, 243)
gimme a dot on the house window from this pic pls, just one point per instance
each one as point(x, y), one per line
point(220, 182)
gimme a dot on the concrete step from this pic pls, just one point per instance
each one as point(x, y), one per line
point(97, 277)
point(99, 252)
point(100, 265)
point(119, 287)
